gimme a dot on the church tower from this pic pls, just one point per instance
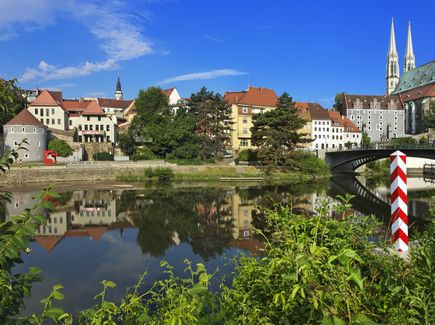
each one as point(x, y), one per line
point(409, 54)
point(118, 93)
point(392, 63)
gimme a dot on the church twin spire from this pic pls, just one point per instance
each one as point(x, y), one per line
point(393, 73)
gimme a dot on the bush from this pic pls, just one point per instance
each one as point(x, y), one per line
point(142, 154)
point(149, 173)
point(404, 141)
point(61, 147)
point(248, 155)
point(306, 162)
point(186, 152)
point(103, 156)
point(164, 174)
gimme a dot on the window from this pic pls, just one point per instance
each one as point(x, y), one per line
point(245, 131)
point(80, 127)
point(245, 121)
point(88, 118)
point(36, 111)
point(244, 109)
point(91, 127)
point(47, 121)
point(107, 128)
point(86, 127)
point(52, 111)
point(99, 118)
point(53, 121)
point(47, 112)
point(24, 130)
point(243, 143)
point(108, 139)
point(42, 112)
point(42, 121)
point(26, 155)
point(97, 128)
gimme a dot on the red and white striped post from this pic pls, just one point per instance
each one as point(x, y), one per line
point(399, 201)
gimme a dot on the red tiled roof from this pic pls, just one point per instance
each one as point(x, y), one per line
point(93, 109)
point(317, 112)
point(168, 92)
point(336, 117)
point(418, 93)
point(24, 118)
point(48, 98)
point(48, 242)
point(253, 96)
point(349, 126)
point(75, 105)
point(114, 103)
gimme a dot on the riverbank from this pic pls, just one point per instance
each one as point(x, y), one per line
point(112, 172)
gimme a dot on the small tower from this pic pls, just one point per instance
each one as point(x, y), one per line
point(393, 73)
point(409, 54)
point(118, 93)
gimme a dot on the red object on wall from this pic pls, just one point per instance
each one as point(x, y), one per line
point(50, 157)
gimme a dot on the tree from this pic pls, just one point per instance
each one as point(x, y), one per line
point(429, 116)
point(339, 102)
point(276, 133)
point(61, 147)
point(11, 102)
point(213, 122)
point(127, 144)
point(365, 139)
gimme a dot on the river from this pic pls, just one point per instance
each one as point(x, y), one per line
point(117, 233)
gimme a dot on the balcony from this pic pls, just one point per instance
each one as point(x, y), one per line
point(92, 132)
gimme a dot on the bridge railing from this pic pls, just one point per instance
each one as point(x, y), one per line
point(380, 146)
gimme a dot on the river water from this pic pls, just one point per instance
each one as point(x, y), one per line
point(117, 233)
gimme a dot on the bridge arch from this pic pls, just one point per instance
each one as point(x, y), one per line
point(349, 160)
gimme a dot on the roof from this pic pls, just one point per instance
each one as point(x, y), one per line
point(48, 242)
point(114, 103)
point(335, 117)
point(75, 105)
point(93, 109)
point(418, 77)
point(367, 99)
point(168, 92)
point(48, 98)
point(25, 118)
point(349, 126)
point(253, 96)
point(418, 93)
point(317, 112)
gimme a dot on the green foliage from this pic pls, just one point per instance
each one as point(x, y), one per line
point(61, 147)
point(102, 156)
point(164, 174)
point(248, 155)
point(429, 116)
point(404, 141)
point(423, 141)
point(127, 144)
point(365, 139)
point(339, 102)
point(276, 133)
point(11, 102)
point(379, 167)
point(306, 162)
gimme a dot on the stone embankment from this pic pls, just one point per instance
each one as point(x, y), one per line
point(93, 171)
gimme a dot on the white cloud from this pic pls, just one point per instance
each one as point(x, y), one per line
point(46, 71)
point(213, 39)
point(203, 75)
point(118, 34)
point(60, 86)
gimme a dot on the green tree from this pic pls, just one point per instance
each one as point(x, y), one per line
point(11, 102)
point(127, 144)
point(61, 147)
point(339, 102)
point(429, 116)
point(151, 124)
point(365, 139)
point(213, 122)
point(276, 133)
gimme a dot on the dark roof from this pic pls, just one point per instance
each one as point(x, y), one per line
point(25, 118)
point(383, 100)
point(418, 93)
point(114, 103)
point(317, 112)
point(418, 77)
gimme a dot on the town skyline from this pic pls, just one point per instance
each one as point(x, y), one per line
point(334, 48)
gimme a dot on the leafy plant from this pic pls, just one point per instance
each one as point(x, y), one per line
point(103, 156)
point(61, 147)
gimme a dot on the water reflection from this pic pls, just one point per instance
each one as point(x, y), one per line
point(117, 234)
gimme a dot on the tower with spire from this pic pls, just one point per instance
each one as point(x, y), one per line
point(393, 73)
point(409, 54)
point(118, 93)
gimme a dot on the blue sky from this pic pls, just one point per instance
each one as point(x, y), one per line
point(311, 49)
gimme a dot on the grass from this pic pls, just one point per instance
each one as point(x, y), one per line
point(213, 174)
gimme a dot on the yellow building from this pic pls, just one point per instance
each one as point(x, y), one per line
point(244, 104)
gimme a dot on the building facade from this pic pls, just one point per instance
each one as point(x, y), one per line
point(245, 104)
point(24, 126)
point(381, 117)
